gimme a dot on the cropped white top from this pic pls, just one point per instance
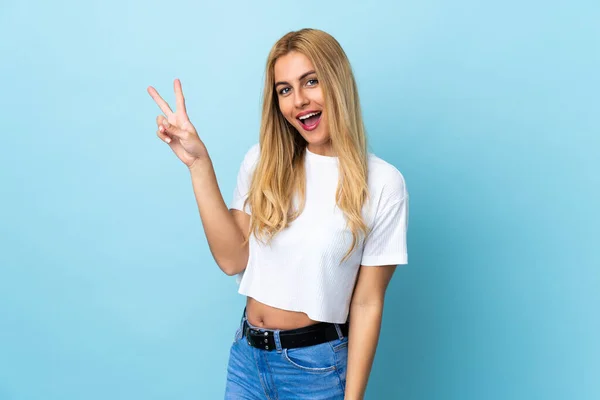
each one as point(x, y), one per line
point(301, 270)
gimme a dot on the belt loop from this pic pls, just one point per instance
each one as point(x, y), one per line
point(243, 322)
point(339, 331)
point(277, 340)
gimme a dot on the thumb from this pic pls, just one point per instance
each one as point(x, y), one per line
point(172, 130)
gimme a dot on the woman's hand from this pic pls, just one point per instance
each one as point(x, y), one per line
point(177, 130)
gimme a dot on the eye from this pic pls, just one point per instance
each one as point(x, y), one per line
point(284, 91)
point(312, 80)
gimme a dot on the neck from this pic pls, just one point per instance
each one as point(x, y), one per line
point(321, 149)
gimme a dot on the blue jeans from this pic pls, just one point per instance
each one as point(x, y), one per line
point(314, 372)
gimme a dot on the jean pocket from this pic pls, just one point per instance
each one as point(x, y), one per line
point(317, 358)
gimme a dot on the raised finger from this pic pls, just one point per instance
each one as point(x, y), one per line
point(162, 104)
point(180, 100)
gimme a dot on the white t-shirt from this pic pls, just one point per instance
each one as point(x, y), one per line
point(301, 270)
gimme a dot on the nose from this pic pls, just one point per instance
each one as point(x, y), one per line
point(300, 99)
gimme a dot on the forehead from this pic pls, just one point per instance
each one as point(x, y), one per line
point(291, 66)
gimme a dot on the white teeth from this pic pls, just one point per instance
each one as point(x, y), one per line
point(308, 115)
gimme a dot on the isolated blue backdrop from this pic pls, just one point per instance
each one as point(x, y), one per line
point(107, 286)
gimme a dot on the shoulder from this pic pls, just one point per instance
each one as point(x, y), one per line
point(386, 177)
point(387, 185)
point(252, 155)
point(253, 151)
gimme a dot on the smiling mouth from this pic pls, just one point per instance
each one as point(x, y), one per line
point(311, 122)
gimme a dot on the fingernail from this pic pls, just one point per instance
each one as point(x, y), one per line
point(168, 140)
point(161, 128)
point(166, 124)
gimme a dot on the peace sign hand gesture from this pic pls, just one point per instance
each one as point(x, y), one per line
point(177, 130)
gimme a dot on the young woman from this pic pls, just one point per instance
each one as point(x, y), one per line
point(314, 232)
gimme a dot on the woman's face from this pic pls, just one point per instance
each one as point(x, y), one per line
point(301, 99)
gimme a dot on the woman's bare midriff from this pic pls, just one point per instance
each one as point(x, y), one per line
point(264, 316)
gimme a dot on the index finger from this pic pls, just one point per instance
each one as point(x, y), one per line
point(160, 101)
point(180, 100)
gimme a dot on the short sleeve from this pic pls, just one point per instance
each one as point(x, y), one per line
point(386, 243)
point(244, 177)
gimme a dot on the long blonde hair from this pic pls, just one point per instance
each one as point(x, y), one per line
point(279, 173)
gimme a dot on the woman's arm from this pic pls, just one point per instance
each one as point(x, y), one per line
point(223, 231)
point(366, 310)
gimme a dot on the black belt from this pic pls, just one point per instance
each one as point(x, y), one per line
point(307, 336)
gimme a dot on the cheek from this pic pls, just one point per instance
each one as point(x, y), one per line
point(286, 110)
point(290, 120)
point(318, 97)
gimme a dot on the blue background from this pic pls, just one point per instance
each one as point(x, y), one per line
point(490, 110)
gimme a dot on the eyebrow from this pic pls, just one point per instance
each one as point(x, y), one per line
point(304, 75)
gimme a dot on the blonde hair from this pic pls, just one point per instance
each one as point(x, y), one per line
point(279, 173)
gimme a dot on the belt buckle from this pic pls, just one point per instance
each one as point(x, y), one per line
point(258, 339)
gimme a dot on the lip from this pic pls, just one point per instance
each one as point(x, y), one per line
point(306, 112)
point(312, 127)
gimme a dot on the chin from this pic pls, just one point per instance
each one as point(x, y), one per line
point(314, 137)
